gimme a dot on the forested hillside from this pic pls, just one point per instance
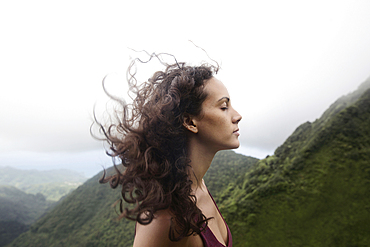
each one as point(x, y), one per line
point(225, 168)
point(18, 210)
point(86, 217)
point(25, 195)
point(315, 190)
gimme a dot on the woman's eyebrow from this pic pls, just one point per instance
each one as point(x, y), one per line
point(227, 99)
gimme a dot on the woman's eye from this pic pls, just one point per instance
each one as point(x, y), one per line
point(224, 106)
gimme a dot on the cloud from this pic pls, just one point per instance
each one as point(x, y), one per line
point(282, 67)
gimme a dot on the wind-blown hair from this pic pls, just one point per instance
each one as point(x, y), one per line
point(151, 143)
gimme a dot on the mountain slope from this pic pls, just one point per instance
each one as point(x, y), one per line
point(86, 217)
point(226, 167)
point(315, 190)
point(18, 210)
point(53, 184)
point(80, 219)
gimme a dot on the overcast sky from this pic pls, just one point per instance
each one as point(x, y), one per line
point(284, 63)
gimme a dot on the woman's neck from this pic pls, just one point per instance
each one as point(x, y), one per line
point(200, 160)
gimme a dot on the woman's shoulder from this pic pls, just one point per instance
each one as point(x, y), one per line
point(156, 233)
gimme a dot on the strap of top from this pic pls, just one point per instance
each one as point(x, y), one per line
point(209, 239)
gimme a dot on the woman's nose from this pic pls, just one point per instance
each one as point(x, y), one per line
point(237, 117)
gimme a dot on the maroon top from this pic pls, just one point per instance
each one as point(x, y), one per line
point(209, 239)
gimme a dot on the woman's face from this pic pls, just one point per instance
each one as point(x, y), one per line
point(217, 125)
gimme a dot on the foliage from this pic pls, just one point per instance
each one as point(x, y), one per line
point(18, 210)
point(9, 230)
point(314, 190)
point(25, 195)
point(226, 167)
point(20, 206)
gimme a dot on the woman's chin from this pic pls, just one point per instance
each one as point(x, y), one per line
point(237, 144)
point(234, 146)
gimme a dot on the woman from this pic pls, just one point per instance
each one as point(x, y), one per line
point(166, 140)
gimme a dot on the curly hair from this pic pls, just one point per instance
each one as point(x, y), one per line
point(150, 141)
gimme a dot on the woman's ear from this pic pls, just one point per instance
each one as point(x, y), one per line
point(189, 124)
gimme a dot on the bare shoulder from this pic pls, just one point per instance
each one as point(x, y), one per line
point(156, 234)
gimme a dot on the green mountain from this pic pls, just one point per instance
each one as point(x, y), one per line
point(53, 184)
point(225, 167)
point(314, 191)
point(25, 195)
point(18, 210)
point(86, 216)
